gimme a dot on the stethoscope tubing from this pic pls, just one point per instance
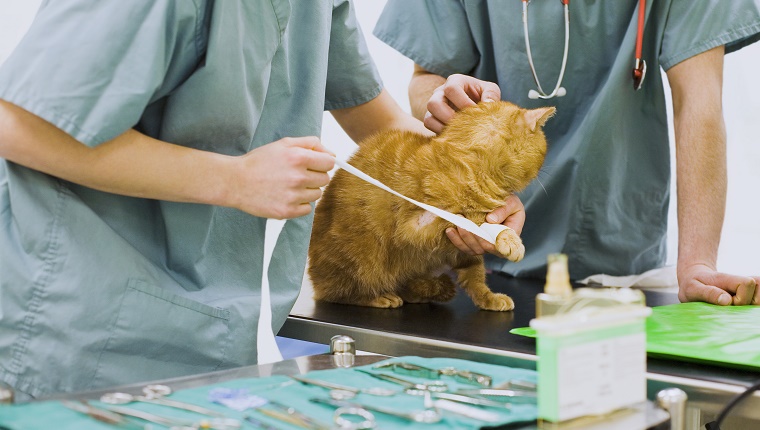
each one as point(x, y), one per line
point(558, 90)
point(640, 66)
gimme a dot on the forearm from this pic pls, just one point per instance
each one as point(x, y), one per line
point(701, 187)
point(132, 164)
point(380, 113)
point(421, 87)
point(700, 157)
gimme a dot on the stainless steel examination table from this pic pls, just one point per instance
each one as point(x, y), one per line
point(460, 330)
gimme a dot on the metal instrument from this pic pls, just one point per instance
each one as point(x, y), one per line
point(459, 375)
point(417, 416)
point(515, 396)
point(102, 415)
point(290, 415)
point(435, 386)
point(345, 389)
point(368, 420)
point(174, 423)
point(155, 394)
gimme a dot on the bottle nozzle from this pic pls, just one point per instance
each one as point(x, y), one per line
point(557, 276)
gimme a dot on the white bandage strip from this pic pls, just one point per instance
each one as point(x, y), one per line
point(486, 231)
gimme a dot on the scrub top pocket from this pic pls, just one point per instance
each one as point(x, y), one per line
point(163, 335)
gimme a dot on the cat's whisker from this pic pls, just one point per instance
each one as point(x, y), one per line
point(545, 171)
point(542, 185)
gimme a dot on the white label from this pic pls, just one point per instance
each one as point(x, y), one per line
point(598, 377)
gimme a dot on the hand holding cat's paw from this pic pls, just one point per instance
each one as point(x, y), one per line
point(509, 244)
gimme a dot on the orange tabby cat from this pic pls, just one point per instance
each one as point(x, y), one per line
point(371, 248)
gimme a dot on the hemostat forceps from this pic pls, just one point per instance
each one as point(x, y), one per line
point(463, 376)
point(155, 394)
point(434, 386)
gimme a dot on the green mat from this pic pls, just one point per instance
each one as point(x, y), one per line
point(701, 332)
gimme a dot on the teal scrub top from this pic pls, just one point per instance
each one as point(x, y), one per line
point(98, 289)
point(604, 187)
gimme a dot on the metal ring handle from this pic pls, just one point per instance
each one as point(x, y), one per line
point(117, 398)
point(435, 386)
point(369, 421)
point(156, 390)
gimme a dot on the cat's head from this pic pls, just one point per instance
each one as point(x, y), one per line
point(502, 139)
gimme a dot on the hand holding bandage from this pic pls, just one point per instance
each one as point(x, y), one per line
point(511, 215)
point(280, 180)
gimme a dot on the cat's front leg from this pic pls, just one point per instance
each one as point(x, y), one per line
point(509, 244)
point(472, 278)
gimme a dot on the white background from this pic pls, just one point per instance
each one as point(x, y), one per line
point(741, 231)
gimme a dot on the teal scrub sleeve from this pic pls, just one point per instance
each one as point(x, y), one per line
point(448, 45)
point(91, 67)
point(352, 78)
point(693, 27)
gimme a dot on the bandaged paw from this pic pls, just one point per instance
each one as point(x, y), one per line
point(507, 242)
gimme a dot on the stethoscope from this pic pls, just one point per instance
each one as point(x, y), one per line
point(639, 67)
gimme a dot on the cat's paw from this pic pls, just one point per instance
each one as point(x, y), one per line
point(509, 244)
point(385, 301)
point(495, 302)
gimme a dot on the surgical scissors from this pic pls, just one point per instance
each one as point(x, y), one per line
point(174, 423)
point(349, 392)
point(102, 415)
point(368, 419)
point(463, 376)
point(155, 394)
point(463, 398)
point(434, 386)
point(418, 416)
point(290, 415)
point(514, 396)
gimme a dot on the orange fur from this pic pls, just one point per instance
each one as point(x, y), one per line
point(371, 248)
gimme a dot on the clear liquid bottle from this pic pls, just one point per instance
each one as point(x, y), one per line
point(559, 297)
point(557, 290)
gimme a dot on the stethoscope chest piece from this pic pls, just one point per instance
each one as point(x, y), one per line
point(639, 65)
point(639, 73)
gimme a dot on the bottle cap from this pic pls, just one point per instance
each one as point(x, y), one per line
point(343, 350)
point(6, 393)
point(342, 344)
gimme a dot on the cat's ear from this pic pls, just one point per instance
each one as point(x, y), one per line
point(535, 118)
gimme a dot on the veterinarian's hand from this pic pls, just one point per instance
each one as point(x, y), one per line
point(701, 283)
point(280, 179)
point(458, 92)
point(512, 214)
